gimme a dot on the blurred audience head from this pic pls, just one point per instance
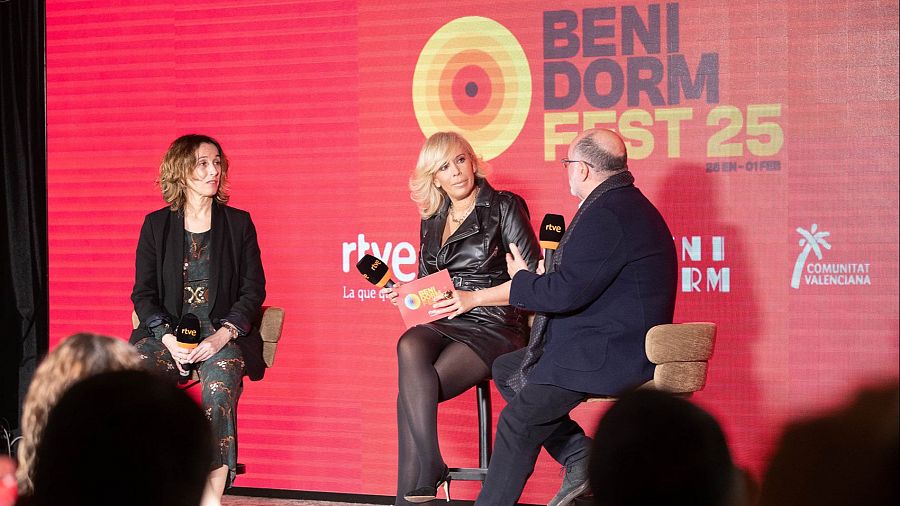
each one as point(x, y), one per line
point(654, 448)
point(7, 481)
point(123, 437)
point(847, 456)
point(76, 357)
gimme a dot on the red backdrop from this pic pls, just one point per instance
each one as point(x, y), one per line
point(766, 133)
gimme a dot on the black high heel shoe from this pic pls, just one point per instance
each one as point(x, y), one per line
point(425, 494)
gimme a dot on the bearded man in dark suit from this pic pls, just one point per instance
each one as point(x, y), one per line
point(613, 277)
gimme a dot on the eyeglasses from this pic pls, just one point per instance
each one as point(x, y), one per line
point(566, 162)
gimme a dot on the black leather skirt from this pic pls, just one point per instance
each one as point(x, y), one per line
point(488, 331)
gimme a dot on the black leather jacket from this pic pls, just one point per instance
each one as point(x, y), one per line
point(475, 254)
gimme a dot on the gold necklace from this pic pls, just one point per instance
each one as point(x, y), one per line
point(468, 211)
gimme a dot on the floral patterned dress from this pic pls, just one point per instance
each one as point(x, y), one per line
point(220, 376)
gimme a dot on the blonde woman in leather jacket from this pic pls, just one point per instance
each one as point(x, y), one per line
point(466, 228)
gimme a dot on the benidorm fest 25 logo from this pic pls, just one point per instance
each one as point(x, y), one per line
point(472, 76)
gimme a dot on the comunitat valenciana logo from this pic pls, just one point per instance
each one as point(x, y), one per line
point(472, 77)
point(814, 271)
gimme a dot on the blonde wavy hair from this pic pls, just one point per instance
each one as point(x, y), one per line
point(438, 150)
point(178, 165)
point(77, 357)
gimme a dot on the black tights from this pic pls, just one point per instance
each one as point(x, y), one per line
point(432, 369)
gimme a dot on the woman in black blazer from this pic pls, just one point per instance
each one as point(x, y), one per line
point(466, 228)
point(200, 256)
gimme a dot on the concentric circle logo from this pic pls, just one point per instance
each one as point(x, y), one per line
point(472, 77)
point(412, 301)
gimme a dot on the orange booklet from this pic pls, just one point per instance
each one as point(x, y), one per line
point(417, 296)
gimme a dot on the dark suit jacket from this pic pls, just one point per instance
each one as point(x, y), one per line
point(237, 284)
point(617, 278)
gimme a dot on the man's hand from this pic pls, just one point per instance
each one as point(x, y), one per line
point(514, 261)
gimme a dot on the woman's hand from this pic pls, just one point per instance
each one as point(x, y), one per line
point(209, 346)
point(390, 293)
point(179, 354)
point(456, 303)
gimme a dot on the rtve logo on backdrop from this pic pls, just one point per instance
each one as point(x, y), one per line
point(473, 76)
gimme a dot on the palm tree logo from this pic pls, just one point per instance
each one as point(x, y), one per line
point(809, 241)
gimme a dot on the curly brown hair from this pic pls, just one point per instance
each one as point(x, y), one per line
point(179, 162)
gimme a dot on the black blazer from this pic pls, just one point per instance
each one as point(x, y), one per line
point(237, 281)
point(617, 278)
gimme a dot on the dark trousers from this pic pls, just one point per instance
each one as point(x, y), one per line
point(537, 416)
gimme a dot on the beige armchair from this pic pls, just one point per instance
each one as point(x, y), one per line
point(270, 330)
point(681, 352)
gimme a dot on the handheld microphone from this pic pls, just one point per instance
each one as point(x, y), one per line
point(375, 271)
point(187, 333)
point(552, 229)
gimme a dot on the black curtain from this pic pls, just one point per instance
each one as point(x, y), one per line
point(24, 318)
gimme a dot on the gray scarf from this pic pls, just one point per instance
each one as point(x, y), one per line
point(536, 341)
